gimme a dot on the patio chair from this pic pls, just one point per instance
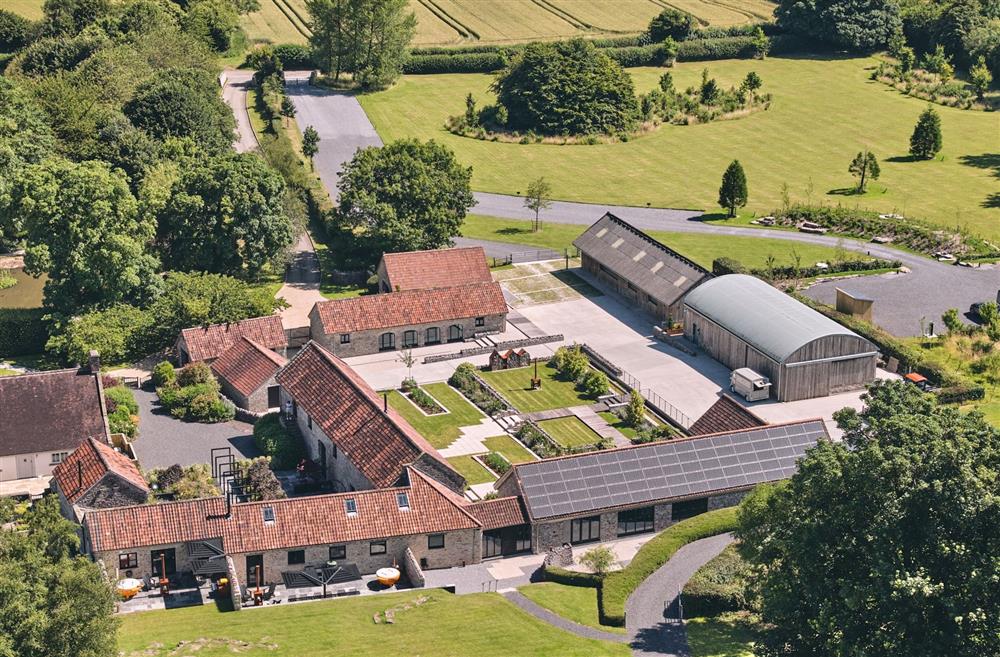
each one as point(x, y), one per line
point(269, 592)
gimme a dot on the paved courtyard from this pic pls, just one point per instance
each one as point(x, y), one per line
point(164, 440)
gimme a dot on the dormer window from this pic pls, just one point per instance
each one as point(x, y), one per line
point(268, 513)
point(351, 506)
point(403, 501)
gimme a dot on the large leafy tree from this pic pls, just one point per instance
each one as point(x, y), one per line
point(406, 196)
point(225, 215)
point(855, 24)
point(367, 38)
point(72, 16)
point(885, 544)
point(53, 603)
point(671, 23)
point(183, 103)
point(83, 229)
point(567, 88)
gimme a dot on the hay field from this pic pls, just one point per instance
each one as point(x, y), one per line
point(28, 8)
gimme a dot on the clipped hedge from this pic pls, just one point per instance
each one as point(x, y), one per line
point(723, 266)
point(486, 62)
point(657, 54)
point(960, 393)
point(698, 50)
point(719, 586)
point(618, 586)
point(571, 577)
point(22, 331)
point(833, 268)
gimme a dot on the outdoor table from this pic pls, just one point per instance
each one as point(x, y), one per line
point(387, 576)
point(128, 587)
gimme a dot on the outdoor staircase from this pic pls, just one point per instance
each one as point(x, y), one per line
point(508, 422)
point(484, 341)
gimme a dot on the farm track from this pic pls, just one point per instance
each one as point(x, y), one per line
point(292, 17)
point(300, 12)
point(454, 23)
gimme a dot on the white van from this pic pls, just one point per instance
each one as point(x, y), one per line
point(751, 385)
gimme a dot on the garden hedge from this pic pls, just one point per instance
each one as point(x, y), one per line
point(718, 586)
point(960, 393)
point(571, 577)
point(485, 62)
point(22, 331)
point(698, 50)
point(618, 586)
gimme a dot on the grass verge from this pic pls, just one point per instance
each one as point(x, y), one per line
point(574, 603)
point(471, 469)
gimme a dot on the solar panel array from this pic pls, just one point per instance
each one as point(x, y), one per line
point(660, 471)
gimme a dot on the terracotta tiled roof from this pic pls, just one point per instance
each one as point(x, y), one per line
point(726, 414)
point(88, 464)
point(247, 365)
point(499, 512)
point(415, 270)
point(298, 522)
point(205, 342)
point(379, 443)
point(383, 311)
point(50, 411)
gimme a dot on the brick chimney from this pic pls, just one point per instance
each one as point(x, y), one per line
point(94, 361)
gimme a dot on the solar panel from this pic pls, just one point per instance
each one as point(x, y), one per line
point(661, 471)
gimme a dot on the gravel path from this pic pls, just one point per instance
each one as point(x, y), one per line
point(651, 611)
point(556, 620)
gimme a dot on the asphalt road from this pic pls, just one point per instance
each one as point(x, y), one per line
point(235, 95)
point(901, 300)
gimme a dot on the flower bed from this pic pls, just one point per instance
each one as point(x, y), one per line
point(422, 400)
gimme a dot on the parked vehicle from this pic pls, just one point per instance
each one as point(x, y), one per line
point(920, 381)
point(749, 384)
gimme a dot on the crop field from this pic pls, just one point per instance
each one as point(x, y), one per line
point(28, 8)
point(824, 111)
point(448, 22)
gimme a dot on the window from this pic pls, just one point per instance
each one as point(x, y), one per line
point(296, 557)
point(402, 500)
point(433, 335)
point(376, 547)
point(351, 506)
point(345, 338)
point(584, 530)
point(435, 541)
point(635, 521)
point(387, 342)
point(59, 457)
point(409, 338)
point(454, 333)
point(128, 560)
point(338, 552)
point(688, 509)
point(480, 321)
point(309, 421)
point(268, 513)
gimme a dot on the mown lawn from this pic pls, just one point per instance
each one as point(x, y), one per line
point(515, 385)
point(484, 625)
point(575, 603)
point(471, 469)
point(722, 636)
point(570, 431)
point(512, 450)
point(702, 248)
point(824, 111)
point(440, 430)
point(619, 424)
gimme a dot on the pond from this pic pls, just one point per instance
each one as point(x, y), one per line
point(26, 294)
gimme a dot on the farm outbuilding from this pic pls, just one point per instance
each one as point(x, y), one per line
point(741, 321)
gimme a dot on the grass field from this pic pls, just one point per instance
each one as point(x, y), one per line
point(702, 248)
point(272, 25)
point(482, 624)
point(28, 8)
point(570, 432)
point(723, 636)
point(440, 430)
point(515, 385)
point(471, 469)
point(824, 111)
point(575, 603)
point(512, 450)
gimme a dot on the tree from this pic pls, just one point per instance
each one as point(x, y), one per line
point(69, 17)
point(599, 559)
point(406, 196)
point(183, 103)
point(635, 412)
point(856, 24)
point(287, 109)
point(470, 110)
point(367, 38)
point(925, 142)
point(980, 77)
point(733, 191)
point(952, 321)
point(15, 31)
point(566, 88)
point(310, 144)
point(673, 24)
point(225, 215)
point(538, 199)
point(864, 166)
point(213, 22)
point(761, 44)
point(53, 602)
point(884, 544)
point(84, 230)
point(595, 384)
point(752, 82)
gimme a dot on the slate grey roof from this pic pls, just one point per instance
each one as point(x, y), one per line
point(638, 258)
point(765, 318)
point(659, 472)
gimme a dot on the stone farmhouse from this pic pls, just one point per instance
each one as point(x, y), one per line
point(97, 476)
point(206, 343)
point(246, 373)
point(45, 416)
point(407, 319)
point(356, 438)
point(421, 270)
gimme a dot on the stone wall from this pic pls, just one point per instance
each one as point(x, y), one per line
point(723, 501)
point(256, 402)
point(412, 569)
point(363, 343)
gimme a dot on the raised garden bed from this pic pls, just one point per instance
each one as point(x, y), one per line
point(425, 402)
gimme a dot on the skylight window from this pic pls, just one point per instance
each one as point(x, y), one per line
point(403, 501)
point(351, 506)
point(268, 515)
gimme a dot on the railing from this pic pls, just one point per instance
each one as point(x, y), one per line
point(499, 346)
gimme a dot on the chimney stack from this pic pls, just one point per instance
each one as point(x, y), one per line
point(94, 361)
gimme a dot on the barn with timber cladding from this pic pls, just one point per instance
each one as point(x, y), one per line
point(741, 321)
